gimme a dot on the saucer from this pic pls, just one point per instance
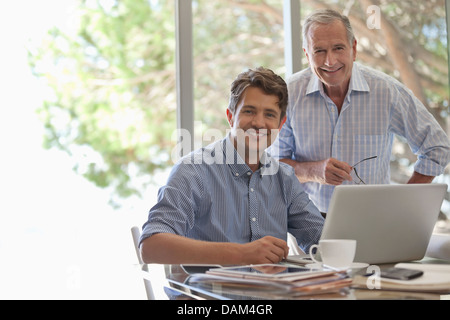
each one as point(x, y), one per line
point(355, 265)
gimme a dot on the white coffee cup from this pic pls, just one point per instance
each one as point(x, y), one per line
point(335, 253)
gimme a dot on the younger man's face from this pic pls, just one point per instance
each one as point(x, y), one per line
point(256, 122)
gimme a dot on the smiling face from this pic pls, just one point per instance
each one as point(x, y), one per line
point(255, 123)
point(330, 55)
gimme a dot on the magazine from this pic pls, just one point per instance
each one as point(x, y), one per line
point(274, 278)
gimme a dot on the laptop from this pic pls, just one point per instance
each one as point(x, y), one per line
point(391, 223)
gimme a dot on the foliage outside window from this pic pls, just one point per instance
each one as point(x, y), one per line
point(114, 91)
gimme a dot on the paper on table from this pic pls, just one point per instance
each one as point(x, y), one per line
point(435, 278)
point(439, 246)
point(431, 267)
point(432, 274)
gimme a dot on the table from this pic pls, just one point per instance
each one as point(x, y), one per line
point(178, 287)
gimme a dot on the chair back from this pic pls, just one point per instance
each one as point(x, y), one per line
point(136, 233)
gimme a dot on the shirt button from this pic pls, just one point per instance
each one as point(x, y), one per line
point(236, 174)
point(253, 219)
point(252, 190)
point(249, 173)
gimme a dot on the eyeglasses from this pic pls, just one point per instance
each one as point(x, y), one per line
point(356, 172)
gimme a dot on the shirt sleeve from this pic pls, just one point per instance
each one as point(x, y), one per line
point(177, 202)
point(305, 222)
point(426, 138)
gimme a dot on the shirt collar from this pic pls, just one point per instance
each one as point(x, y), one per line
point(357, 82)
point(238, 166)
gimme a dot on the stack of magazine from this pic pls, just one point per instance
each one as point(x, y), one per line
point(283, 280)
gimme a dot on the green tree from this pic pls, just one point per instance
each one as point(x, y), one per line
point(114, 91)
point(114, 79)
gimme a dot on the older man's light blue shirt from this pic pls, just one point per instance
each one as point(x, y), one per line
point(376, 108)
point(212, 195)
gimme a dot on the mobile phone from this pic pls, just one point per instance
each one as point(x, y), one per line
point(401, 273)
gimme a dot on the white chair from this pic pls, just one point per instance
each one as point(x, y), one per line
point(136, 233)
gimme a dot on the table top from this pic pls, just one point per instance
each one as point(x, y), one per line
point(181, 287)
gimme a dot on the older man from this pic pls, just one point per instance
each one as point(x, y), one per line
point(342, 117)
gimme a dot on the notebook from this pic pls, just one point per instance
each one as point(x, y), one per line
point(391, 223)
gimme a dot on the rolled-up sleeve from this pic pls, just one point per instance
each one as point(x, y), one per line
point(176, 205)
point(426, 138)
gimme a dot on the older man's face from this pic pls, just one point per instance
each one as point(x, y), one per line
point(330, 54)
